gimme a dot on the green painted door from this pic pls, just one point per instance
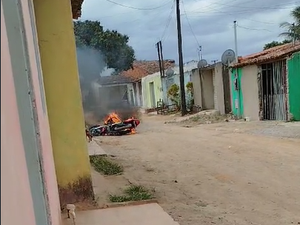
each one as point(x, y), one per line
point(294, 85)
point(236, 93)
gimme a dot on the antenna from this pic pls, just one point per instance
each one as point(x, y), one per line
point(200, 52)
point(228, 57)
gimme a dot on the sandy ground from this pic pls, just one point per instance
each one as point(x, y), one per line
point(226, 173)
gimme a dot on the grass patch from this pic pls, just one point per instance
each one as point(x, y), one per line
point(132, 193)
point(105, 165)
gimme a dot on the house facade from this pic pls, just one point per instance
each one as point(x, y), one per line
point(127, 86)
point(155, 87)
point(265, 85)
point(152, 90)
point(142, 69)
point(43, 147)
point(114, 89)
point(212, 88)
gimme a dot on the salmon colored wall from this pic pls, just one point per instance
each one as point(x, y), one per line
point(16, 197)
point(47, 153)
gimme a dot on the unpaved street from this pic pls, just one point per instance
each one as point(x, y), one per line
point(227, 173)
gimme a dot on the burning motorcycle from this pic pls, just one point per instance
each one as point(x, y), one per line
point(114, 126)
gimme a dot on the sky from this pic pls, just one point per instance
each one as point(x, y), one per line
point(205, 23)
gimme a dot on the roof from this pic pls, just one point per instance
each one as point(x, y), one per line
point(268, 55)
point(142, 68)
point(114, 79)
point(76, 8)
point(208, 67)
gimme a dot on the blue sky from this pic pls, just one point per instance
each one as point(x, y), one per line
point(207, 23)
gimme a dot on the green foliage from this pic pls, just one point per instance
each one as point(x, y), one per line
point(292, 29)
point(173, 94)
point(113, 45)
point(190, 92)
point(275, 43)
point(132, 193)
point(189, 88)
point(103, 165)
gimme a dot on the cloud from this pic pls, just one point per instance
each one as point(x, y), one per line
point(207, 23)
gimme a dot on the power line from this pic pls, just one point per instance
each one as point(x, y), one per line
point(248, 28)
point(187, 19)
point(249, 7)
point(246, 10)
point(137, 8)
point(168, 21)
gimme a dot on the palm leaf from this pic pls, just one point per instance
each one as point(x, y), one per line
point(285, 25)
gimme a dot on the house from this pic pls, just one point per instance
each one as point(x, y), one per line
point(212, 88)
point(113, 90)
point(265, 85)
point(127, 85)
point(44, 157)
point(155, 87)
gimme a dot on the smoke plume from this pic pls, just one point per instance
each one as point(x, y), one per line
point(96, 99)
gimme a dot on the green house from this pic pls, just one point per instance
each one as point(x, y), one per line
point(266, 85)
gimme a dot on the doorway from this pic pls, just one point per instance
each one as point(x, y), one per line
point(273, 86)
point(152, 95)
point(208, 101)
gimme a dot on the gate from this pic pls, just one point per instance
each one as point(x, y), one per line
point(273, 86)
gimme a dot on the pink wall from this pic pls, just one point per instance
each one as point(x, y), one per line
point(16, 199)
point(48, 161)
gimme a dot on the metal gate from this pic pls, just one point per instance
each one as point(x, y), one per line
point(273, 84)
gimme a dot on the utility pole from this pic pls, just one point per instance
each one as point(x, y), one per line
point(235, 41)
point(236, 72)
point(159, 58)
point(162, 59)
point(180, 61)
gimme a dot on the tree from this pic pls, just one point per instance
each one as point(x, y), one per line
point(275, 43)
point(292, 29)
point(190, 93)
point(113, 45)
point(173, 94)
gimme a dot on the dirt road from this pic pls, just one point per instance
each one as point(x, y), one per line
point(228, 173)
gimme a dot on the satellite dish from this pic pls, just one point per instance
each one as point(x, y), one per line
point(202, 63)
point(228, 57)
point(169, 72)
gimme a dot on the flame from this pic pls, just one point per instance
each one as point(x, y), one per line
point(133, 131)
point(112, 118)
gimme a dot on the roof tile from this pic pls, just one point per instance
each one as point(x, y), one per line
point(145, 68)
point(269, 54)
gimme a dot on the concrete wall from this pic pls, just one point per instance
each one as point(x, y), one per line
point(195, 79)
point(249, 88)
point(219, 103)
point(208, 89)
point(204, 97)
point(64, 104)
point(213, 88)
point(155, 78)
point(130, 94)
point(23, 152)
